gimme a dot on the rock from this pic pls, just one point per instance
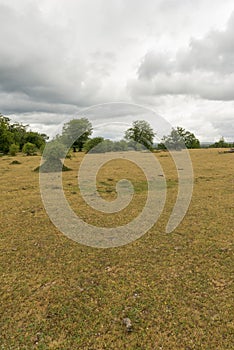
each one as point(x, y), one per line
point(127, 322)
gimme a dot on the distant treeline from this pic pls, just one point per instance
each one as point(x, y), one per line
point(76, 135)
point(222, 144)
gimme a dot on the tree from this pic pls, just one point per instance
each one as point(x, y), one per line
point(76, 132)
point(29, 149)
point(179, 138)
point(189, 138)
point(6, 137)
point(19, 132)
point(174, 141)
point(141, 132)
point(36, 138)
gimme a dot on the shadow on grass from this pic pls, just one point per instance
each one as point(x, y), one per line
point(52, 167)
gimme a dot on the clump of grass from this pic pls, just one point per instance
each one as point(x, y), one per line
point(15, 162)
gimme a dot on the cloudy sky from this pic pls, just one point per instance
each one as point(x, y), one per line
point(176, 57)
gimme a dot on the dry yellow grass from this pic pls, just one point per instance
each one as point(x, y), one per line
point(175, 288)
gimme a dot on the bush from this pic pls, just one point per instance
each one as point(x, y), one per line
point(53, 153)
point(14, 149)
point(54, 150)
point(91, 143)
point(29, 149)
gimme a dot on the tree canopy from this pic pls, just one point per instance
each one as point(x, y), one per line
point(76, 132)
point(179, 138)
point(17, 134)
point(141, 133)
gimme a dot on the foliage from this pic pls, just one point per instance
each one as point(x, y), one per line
point(54, 150)
point(222, 144)
point(36, 138)
point(141, 132)
point(174, 141)
point(189, 138)
point(91, 143)
point(121, 145)
point(101, 145)
point(76, 132)
point(6, 137)
point(29, 149)
point(161, 146)
point(17, 133)
point(178, 139)
point(135, 145)
point(14, 149)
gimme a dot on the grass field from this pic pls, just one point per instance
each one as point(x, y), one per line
point(175, 288)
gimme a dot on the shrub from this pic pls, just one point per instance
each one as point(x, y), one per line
point(29, 149)
point(92, 144)
point(14, 149)
point(54, 150)
point(53, 153)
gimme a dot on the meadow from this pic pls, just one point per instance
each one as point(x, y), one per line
point(175, 288)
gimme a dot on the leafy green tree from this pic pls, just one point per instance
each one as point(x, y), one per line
point(36, 138)
point(141, 132)
point(19, 133)
point(29, 149)
point(16, 133)
point(174, 140)
point(14, 149)
point(189, 138)
point(76, 132)
point(6, 137)
point(178, 139)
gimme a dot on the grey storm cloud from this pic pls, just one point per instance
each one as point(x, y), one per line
point(59, 57)
point(40, 65)
point(204, 69)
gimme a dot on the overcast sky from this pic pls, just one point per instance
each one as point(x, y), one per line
point(58, 57)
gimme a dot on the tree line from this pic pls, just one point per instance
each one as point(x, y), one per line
point(76, 134)
point(15, 137)
point(138, 137)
